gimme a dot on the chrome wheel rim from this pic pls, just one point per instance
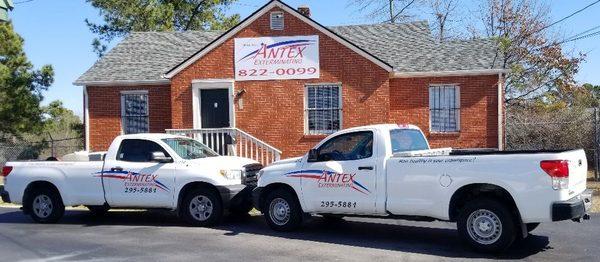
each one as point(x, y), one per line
point(279, 211)
point(484, 227)
point(201, 208)
point(42, 206)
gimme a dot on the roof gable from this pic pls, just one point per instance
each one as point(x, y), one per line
point(260, 12)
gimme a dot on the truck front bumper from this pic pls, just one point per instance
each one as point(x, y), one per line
point(4, 195)
point(575, 208)
point(235, 195)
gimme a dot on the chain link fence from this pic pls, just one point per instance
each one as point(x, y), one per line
point(569, 128)
point(39, 150)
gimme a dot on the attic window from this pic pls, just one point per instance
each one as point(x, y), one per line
point(276, 20)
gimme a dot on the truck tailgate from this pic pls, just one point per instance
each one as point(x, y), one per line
point(577, 170)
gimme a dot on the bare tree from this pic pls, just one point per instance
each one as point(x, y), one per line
point(442, 10)
point(392, 11)
point(539, 67)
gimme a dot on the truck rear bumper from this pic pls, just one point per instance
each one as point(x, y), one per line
point(574, 208)
point(5, 196)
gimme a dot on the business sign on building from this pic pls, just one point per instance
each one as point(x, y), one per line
point(287, 57)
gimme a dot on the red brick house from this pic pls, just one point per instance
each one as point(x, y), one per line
point(281, 79)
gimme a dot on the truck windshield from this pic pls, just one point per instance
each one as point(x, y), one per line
point(189, 148)
point(407, 140)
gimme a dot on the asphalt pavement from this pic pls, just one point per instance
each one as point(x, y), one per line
point(160, 236)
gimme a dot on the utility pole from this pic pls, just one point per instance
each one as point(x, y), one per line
point(392, 16)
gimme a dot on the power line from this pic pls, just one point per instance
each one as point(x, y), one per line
point(22, 2)
point(565, 18)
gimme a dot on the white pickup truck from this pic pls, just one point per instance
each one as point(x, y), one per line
point(138, 171)
point(389, 171)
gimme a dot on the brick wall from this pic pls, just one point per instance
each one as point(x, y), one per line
point(105, 112)
point(409, 103)
point(273, 111)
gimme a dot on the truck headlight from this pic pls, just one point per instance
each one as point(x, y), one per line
point(232, 174)
point(259, 174)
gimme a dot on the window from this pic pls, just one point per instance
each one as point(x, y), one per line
point(351, 146)
point(407, 140)
point(138, 150)
point(323, 109)
point(276, 20)
point(444, 108)
point(134, 112)
point(189, 148)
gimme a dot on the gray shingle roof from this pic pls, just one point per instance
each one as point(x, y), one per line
point(146, 56)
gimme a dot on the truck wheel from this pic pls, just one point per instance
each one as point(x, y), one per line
point(486, 225)
point(531, 226)
point(202, 207)
point(282, 210)
point(98, 210)
point(46, 206)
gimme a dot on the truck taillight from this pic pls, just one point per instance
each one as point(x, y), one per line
point(6, 170)
point(558, 170)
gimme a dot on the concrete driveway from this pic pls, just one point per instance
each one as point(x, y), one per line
point(157, 235)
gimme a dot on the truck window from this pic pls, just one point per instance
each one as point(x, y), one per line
point(189, 148)
point(138, 150)
point(407, 140)
point(351, 146)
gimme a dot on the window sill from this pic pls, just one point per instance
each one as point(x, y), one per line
point(457, 133)
point(315, 137)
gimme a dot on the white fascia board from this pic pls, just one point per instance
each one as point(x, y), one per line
point(449, 73)
point(258, 14)
point(123, 82)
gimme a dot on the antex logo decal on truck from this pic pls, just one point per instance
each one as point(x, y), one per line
point(135, 182)
point(329, 179)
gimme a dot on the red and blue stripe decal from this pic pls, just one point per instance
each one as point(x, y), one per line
point(318, 175)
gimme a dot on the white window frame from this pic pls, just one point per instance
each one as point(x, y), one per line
point(457, 106)
point(306, 109)
point(122, 98)
point(272, 16)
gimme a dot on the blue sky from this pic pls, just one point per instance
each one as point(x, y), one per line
point(55, 33)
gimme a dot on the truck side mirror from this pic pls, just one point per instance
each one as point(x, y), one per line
point(160, 157)
point(313, 155)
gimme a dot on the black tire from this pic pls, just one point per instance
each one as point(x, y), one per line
point(45, 205)
point(202, 207)
point(531, 226)
point(98, 211)
point(241, 209)
point(286, 201)
point(490, 213)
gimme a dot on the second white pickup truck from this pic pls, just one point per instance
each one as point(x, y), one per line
point(389, 171)
point(138, 171)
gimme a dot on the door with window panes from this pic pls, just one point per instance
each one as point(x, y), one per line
point(134, 180)
point(344, 177)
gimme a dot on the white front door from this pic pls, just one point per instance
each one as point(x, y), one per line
point(343, 179)
point(134, 180)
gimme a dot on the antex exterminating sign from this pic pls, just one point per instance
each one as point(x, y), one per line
point(288, 57)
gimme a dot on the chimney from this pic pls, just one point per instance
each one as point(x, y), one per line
point(304, 10)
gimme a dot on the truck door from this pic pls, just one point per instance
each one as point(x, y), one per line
point(134, 180)
point(343, 178)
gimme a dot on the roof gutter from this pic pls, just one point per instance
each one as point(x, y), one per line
point(449, 73)
point(123, 83)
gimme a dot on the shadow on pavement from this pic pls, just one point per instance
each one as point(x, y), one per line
point(374, 233)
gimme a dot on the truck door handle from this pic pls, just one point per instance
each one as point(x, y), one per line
point(117, 168)
point(365, 168)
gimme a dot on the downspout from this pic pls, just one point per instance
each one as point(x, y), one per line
point(86, 118)
point(500, 112)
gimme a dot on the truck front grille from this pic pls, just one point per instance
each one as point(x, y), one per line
point(250, 171)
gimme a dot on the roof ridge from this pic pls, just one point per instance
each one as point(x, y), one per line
point(384, 24)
